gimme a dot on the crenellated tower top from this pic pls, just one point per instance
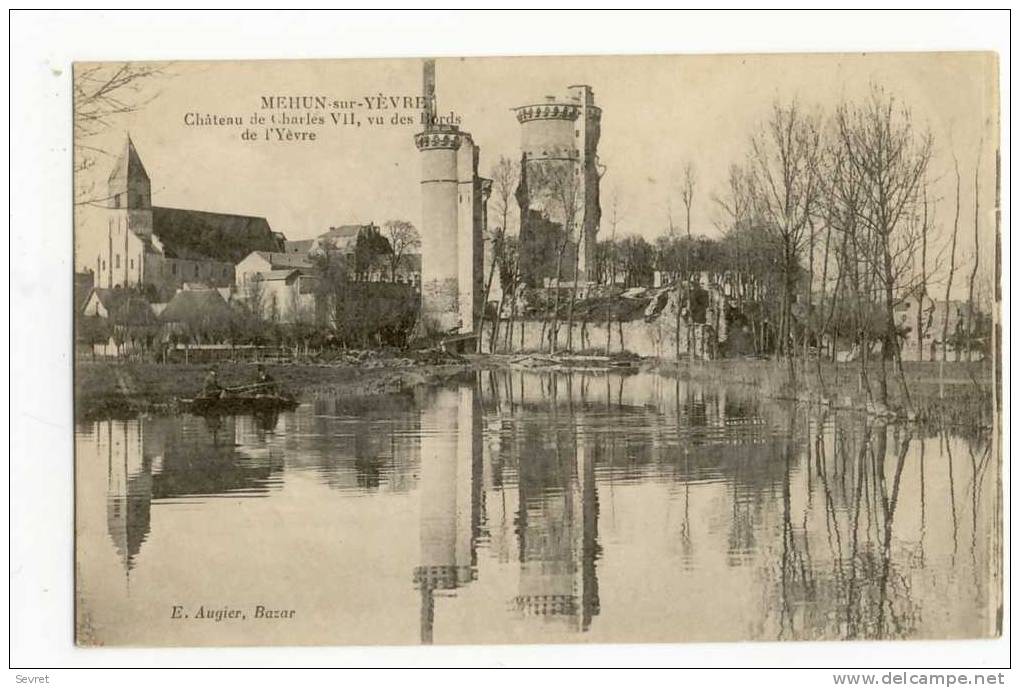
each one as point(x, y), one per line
point(441, 136)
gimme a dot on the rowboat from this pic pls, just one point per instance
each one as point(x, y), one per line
point(227, 404)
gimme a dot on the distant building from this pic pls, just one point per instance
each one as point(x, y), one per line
point(82, 289)
point(342, 239)
point(340, 244)
point(123, 240)
point(200, 310)
point(259, 262)
point(120, 304)
point(936, 328)
point(284, 296)
point(280, 286)
point(300, 247)
point(132, 322)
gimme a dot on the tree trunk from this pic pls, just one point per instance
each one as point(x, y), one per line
point(573, 297)
point(494, 336)
point(977, 259)
point(949, 285)
point(924, 279)
point(496, 248)
point(555, 326)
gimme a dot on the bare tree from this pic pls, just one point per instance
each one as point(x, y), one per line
point(615, 211)
point(782, 169)
point(844, 198)
point(952, 270)
point(687, 198)
point(563, 187)
point(891, 158)
point(102, 94)
point(922, 289)
point(977, 255)
point(505, 178)
point(254, 296)
point(404, 239)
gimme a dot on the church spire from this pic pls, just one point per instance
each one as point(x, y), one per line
point(128, 184)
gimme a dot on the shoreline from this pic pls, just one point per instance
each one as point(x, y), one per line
point(110, 389)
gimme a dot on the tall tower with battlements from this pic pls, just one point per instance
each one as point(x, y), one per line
point(452, 224)
point(559, 188)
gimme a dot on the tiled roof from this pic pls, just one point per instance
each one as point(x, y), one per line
point(271, 275)
point(195, 304)
point(129, 164)
point(279, 260)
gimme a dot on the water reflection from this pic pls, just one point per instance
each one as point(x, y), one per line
point(567, 507)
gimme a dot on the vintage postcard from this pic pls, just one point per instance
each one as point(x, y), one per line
point(607, 349)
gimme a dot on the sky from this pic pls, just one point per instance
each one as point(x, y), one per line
point(659, 114)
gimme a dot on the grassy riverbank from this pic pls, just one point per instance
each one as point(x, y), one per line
point(115, 389)
point(959, 394)
point(954, 393)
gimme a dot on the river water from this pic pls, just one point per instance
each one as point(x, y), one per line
point(519, 506)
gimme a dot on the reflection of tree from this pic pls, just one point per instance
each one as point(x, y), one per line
point(369, 438)
point(863, 593)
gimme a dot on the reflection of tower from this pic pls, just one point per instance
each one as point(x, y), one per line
point(559, 178)
point(558, 531)
point(451, 475)
point(453, 218)
point(129, 486)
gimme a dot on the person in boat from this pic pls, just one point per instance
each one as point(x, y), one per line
point(265, 384)
point(211, 387)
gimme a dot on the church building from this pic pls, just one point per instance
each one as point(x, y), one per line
point(129, 242)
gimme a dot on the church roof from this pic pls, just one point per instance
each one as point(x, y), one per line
point(128, 164)
point(198, 235)
point(194, 234)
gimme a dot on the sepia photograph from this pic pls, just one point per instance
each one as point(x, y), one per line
point(605, 349)
point(546, 339)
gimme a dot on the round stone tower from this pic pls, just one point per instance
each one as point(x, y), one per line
point(439, 200)
point(560, 181)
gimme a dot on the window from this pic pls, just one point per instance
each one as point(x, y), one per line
point(116, 261)
point(131, 264)
point(196, 269)
point(104, 265)
point(173, 268)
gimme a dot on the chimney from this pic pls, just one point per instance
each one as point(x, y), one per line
point(429, 91)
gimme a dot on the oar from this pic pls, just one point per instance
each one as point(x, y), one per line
point(244, 387)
